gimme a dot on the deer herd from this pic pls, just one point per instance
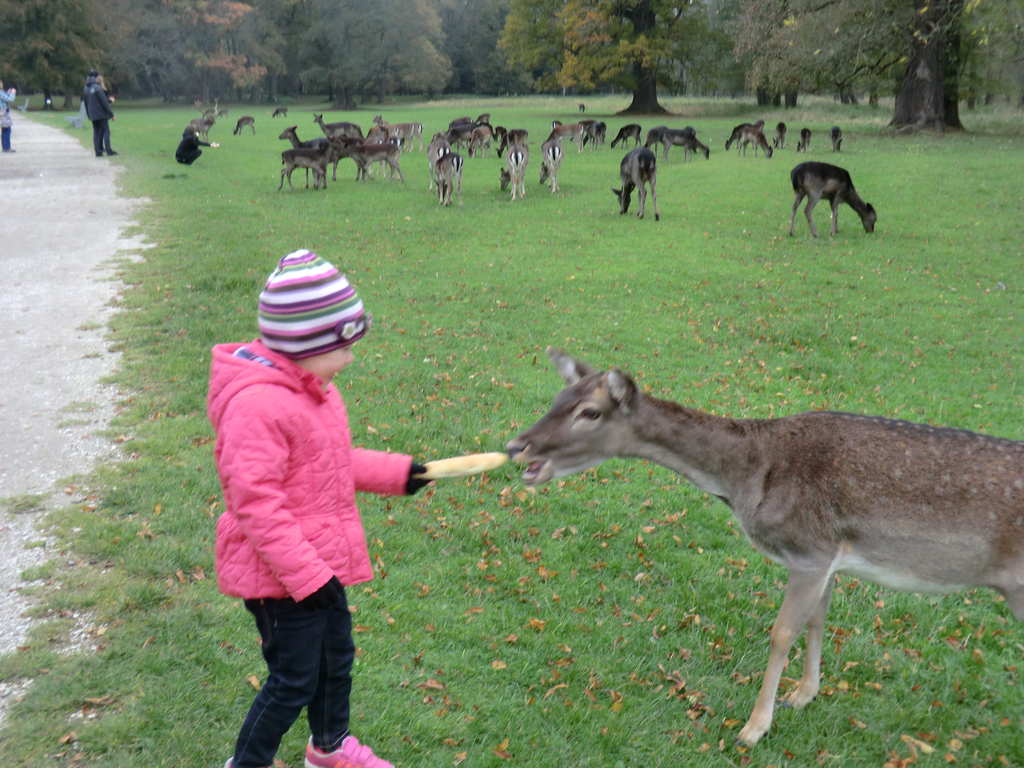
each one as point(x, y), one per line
point(905, 505)
point(384, 143)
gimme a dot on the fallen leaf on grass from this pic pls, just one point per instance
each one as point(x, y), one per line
point(254, 682)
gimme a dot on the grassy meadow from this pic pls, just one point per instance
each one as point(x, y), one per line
point(614, 618)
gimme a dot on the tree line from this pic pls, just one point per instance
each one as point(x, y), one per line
point(931, 54)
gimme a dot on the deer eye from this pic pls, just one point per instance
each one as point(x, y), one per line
point(590, 414)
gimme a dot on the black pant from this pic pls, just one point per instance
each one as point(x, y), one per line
point(309, 657)
point(101, 136)
point(187, 158)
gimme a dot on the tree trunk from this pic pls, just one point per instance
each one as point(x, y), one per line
point(645, 90)
point(921, 101)
point(791, 99)
point(645, 93)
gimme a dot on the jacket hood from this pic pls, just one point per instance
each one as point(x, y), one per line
point(235, 367)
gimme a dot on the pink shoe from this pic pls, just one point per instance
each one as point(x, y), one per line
point(352, 754)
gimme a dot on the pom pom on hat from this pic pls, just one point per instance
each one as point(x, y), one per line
point(308, 307)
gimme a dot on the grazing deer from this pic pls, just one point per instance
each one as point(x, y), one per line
point(571, 131)
point(905, 505)
point(654, 137)
point(448, 170)
point(245, 120)
point(817, 180)
point(638, 168)
point(737, 133)
point(280, 112)
point(582, 107)
point(628, 131)
point(550, 162)
point(595, 132)
point(804, 144)
point(515, 171)
point(333, 130)
point(511, 137)
point(685, 138)
point(313, 159)
point(779, 140)
point(436, 149)
point(837, 138)
point(752, 134)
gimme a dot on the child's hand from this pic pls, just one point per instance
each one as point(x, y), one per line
point(328, 596)
point(414, 483)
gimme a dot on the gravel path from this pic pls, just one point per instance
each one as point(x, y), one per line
point(63, 225)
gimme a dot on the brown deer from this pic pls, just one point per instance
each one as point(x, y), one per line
point(779, 140)
point(626, 132)
point(909, 506)
point(511, 137)
point(436, 149)
point(685, 138)
point(403, 132)
point(291, 134)
point(280, 112)
point(201, 126)
point(245, 120)
point(448, 170)
point(334, 130)
point(638, 169)
point(313, 159)
point(365, 153)
point(736, 137)
point(804, 144)
point(514, 173)
point(821, 180)
point(571, 131)
point(550, 162)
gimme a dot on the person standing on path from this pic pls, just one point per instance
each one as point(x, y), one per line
point(97, 107)
point(6, 99)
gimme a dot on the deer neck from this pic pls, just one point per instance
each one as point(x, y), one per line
point(712, 452)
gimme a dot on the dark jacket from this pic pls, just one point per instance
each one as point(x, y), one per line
point(189, 144)
point(97, 105)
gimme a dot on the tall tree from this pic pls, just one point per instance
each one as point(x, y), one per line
point(631, 43)
point(928, 96)
point(49, 44)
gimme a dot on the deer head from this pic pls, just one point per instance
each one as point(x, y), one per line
point(587, 424)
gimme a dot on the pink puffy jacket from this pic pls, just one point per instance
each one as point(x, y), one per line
point(289, 474)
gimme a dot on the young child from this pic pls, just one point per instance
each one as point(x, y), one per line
point(291, 538)
point(188, 150)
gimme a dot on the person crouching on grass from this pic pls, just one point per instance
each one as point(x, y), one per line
point(188, 150)
point(290, 538)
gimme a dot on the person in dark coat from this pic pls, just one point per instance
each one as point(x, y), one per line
point(189, 149)
point(97, 107)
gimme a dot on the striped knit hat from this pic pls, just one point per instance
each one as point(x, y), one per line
point(308, 307)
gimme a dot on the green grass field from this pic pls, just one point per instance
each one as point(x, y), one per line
point(615, 618)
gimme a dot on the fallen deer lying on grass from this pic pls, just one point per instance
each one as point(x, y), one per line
point(905, 505)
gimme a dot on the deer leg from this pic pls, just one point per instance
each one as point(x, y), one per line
point(808, 212)
point(654, 201)
point(642, 191)
point(803, 597)
point(796, 204)
point(810, 681)
point(281, 185)
point(394, 168)
point(835, 215)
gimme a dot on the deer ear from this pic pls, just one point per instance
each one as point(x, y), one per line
point(621, 388)
point(570, 369)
